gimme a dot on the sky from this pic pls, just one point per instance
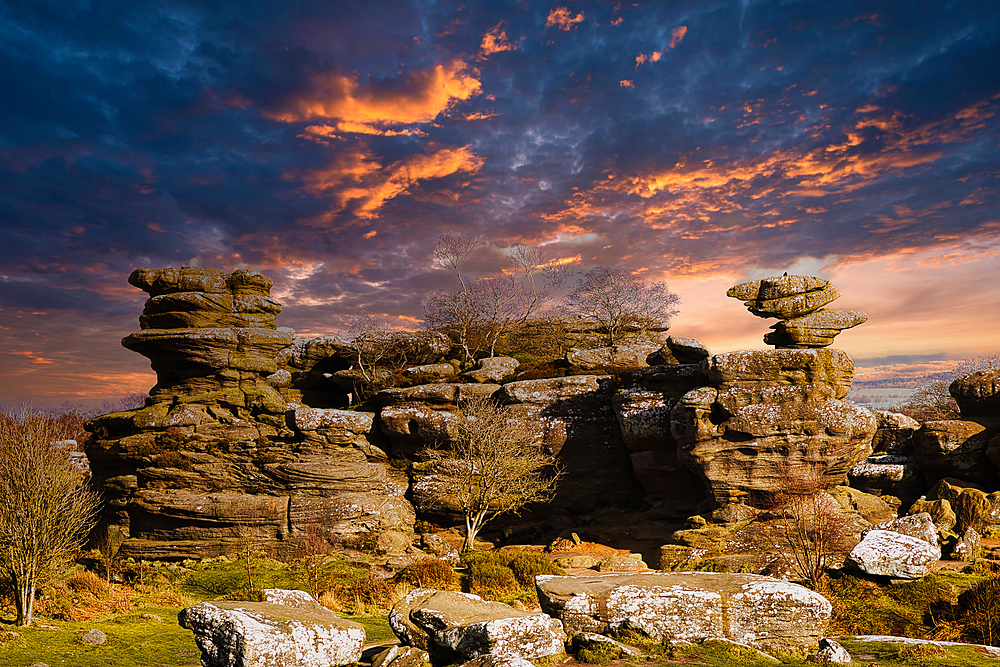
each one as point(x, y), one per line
point(329, 144)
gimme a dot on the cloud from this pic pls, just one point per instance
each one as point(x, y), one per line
point(495, 41)
point(420, 98)
point(356, 176)
point(677, 36)
point(563, 19)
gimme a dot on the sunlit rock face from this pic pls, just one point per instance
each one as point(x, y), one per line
point(771, 417)
point(218, 455)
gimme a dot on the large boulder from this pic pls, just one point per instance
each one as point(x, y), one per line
point(978, 395)
point(290, 628)
point(888, 475)
point(619, 356)
point(894, 434)
point(954, 448)
point(453, 625)
point(493, 369)
point(745, 608)
point(891, 554)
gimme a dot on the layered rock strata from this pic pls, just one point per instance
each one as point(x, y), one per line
point(797, 301)
point(771, 421)
point(217, 455)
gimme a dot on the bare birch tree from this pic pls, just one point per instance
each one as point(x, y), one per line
point(47, 510)
point(496, 467)
point(617, 299)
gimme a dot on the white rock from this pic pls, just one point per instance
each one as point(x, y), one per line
point(889, 554)
point(493, 369)
point(292, 630)
point(919, 525)
point(831, 652)
point(745, 608)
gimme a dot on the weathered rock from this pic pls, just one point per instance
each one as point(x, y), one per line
point(493, 369)
point(888, 475)
point(831, 653)
point(581, 562)
point(629, 563)
point(490, 660)
point(954, 448)
point(941, 515)
point(432, 370)
point(920, 526)
point(967, 546)
point(452, 624)
point(972, 506)
point(591, 640)
point(750, 609)
point(440, 547)
point(402, 656)
point(687, 350)
point(798, 302)
point(894, 434)
point(93, 637)
point(286, 630)
point(619, 356)
point(978, 395)
point(412, 427)
point(890, 554)
point(871, 508)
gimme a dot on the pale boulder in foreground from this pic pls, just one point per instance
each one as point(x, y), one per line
point(745, 608)
point(290, 628)
point(452, 624)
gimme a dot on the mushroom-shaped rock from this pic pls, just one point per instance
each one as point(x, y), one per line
point(890, 554)
point(745, 608)
point(289, 629)
point(452, 624)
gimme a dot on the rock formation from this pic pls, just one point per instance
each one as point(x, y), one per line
point(690, 606)
point(287, 628)
point(217, 454)
point(798, 303)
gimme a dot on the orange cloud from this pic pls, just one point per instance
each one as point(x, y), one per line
point(356, 176)
point(563, 19)
point(626, 83)
point(351, 127)
point(423, 96)
point(655, 56)
point(677, 35)
point(640, 59)
point(496, 41)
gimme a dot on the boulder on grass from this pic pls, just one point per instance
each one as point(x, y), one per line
point(290, 628)
point(453, 625)
point(889, 554)
point(691, 606)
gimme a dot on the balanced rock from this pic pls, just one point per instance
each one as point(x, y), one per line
point(288, 629)
point(890, 554)
point(798, 302)
point(450, 624)
point(691, 606)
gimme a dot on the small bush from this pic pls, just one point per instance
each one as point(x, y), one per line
point(491, 580)
point(89, 582)
point(525, 565)
point(912, 609)
point(980, 612)
point(431, 573)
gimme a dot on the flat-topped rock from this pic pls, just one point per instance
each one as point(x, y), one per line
point(746, 608)
point(453, 624)
point(287, 631)
point(891, 554)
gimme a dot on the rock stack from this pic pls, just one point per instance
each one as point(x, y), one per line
point(798, 302)
point(775, 420)
point(217, 455)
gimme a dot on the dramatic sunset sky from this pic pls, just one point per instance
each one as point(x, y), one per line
point(329, 144)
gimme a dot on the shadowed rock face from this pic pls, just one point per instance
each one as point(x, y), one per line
point(217, 455)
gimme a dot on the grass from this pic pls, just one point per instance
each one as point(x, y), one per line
point(132, 640)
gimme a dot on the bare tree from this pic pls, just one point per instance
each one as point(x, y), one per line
point(809, 523)
point(618, 299)
point(933, 401)
point(372, 340)
point(540, 278)
point(458, 311)
point(452, 251)
point(496, 467)
point(47, 509)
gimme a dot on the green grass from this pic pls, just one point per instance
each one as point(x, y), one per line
point(131, 641)
point(377, 630)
